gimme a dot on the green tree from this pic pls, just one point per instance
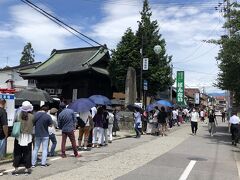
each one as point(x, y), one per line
point(126, 55)
point(27, 55)
point(229, 56)
point(159, 73)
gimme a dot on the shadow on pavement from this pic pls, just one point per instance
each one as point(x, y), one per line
point(221, 136)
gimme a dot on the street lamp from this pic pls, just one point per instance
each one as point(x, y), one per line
point(157, 49)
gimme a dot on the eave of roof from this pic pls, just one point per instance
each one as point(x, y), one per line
point(58, 55)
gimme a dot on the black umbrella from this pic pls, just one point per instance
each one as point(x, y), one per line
point(132, 107)
point(34, 94)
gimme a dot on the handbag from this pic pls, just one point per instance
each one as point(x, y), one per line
point(81, 123)
point(16, 129)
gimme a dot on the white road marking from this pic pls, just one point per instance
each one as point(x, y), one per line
point(187, 171)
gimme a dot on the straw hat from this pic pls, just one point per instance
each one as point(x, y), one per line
point(26, 106)
point(53, 110)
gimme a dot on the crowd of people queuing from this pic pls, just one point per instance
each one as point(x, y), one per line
point(38, 128)
point(159, 120)
point(96, 128)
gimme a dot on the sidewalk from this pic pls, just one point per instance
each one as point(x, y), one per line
point(10, 141)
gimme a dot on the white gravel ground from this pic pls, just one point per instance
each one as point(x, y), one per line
point(126, 161)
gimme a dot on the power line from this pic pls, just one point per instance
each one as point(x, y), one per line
point(60, 22)
point(165, 4)
point(199, 72)
point(199, 56)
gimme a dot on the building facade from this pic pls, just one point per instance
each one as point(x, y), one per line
point(74, 73)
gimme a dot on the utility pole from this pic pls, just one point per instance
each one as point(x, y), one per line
point(225, 8)
point(141, 68)
point(229, 93)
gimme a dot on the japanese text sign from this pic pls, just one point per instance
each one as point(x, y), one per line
point(180, 87)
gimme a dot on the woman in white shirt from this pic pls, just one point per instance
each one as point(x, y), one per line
point(137, 123)
point(52, 132)
point(194, 121)
point(23, 143)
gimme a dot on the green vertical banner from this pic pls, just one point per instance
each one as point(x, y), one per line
point(180, 87)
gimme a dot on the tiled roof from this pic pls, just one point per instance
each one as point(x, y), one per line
point(21, 67)
point(71, 60)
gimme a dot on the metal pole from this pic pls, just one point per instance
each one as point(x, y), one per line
point(171, 98)
point(229, 93)
point(141, 72)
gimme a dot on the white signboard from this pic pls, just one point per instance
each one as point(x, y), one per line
point(145, 64)
point(10, 107)
point(197, 98)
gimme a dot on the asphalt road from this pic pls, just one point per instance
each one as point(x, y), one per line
point(149, 158)
point(213, 158)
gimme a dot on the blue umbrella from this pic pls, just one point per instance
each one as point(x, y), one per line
point(100, 100)
point(164, 103)
point(150, 107)
point(82, 105)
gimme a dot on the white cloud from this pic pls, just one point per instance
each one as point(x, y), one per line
point(183, 29)
point(26, 25)
point(33, 27)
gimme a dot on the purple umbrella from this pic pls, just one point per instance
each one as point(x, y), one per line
point(82, 105)
point(100, 100)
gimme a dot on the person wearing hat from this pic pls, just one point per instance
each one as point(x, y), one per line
point(23, 144)
point(52, 132)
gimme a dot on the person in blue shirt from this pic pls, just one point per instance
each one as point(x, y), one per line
point(67, 123)
point(41, 122)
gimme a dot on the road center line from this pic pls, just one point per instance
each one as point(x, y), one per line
point(187, 171)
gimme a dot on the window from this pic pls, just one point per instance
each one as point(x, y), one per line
point(32, 82)
point(58, 91)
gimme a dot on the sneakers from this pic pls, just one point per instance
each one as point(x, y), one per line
point(33, 166)
point(27, 172)
point(85, 149)
point(63, 156)
point(15, 173)
point(44, 165)
point(78, 156)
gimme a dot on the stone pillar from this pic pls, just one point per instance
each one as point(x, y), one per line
point(130, 87)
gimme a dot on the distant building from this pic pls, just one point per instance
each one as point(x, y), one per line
point(11, 74)
point(74, 73)
point(190, 94)
point(220, 102)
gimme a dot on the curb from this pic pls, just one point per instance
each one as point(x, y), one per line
point(2, 162)
point(6, 161)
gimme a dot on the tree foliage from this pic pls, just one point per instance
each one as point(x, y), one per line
point(27, 55)
point(229, 55)
point(128, 54)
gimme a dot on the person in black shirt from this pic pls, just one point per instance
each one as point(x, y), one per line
point(162, 115)
point(212, 122)
point(3, 128)
point(223, 116)
point(105, 126)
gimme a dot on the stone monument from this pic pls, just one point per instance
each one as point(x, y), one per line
point(130, 87)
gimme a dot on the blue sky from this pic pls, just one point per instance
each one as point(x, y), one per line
point(184, 24)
